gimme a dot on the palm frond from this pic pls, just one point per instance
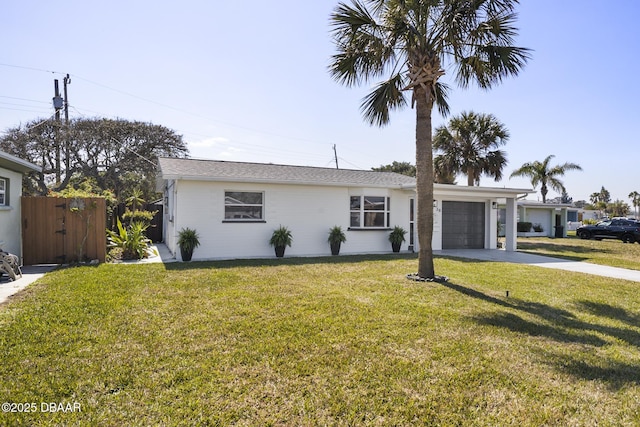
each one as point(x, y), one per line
point(441, 97)
point(486, 55)
point(363, 51)
point(387, 96)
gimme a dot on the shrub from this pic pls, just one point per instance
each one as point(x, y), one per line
point(524, 227)
point(537, 227)
point(144, 217)
point(131, 239)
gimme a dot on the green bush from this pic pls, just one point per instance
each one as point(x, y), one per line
point(524, 227)
point(131, 240)
point(144, 217)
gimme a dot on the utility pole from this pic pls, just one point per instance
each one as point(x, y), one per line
point(57, 104)
point(335, 154)
point(67, 134)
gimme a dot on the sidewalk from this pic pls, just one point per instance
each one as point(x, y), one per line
point(542, 261)
point(30, 274)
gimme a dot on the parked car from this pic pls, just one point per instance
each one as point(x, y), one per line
point(627, 230)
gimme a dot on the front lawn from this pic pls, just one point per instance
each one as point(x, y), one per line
point(610, 252)
point(329, 341)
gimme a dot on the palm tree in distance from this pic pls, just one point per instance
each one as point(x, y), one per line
point(635, 201)
point(469, 145)
point(408, 44)
point(541, 173)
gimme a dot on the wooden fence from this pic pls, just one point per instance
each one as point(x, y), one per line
point(60, 230)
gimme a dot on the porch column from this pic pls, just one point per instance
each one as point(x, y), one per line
point(511, 227)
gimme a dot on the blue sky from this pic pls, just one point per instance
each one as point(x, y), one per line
point(248, 81)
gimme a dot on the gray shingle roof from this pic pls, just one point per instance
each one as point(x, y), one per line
point(216, 170)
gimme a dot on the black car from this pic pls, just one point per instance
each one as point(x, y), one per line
point(627, 230)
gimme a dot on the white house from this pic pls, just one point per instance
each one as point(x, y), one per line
point(235, 207)
point(552, 218)
point(11, 170)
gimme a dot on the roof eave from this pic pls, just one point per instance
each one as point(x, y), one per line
point(280, 182)
point(17, 164)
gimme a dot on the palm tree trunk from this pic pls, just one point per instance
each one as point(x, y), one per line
point(544, 192)
point(424, 181)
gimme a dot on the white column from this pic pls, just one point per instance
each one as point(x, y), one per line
point(511, 231)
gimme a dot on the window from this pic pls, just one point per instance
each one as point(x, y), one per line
point(243, 206)
point(3, 192)
point(369, 211)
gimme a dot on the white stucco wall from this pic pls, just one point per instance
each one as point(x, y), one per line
point(10, 222)
point(542, 217)
point(308, 211)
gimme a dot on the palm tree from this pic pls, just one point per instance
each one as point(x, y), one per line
point(600, 200)
point(469, 145)
point(135, 199)
point(618, 208)
point(408, 45)
point(541, 173)
point(635, 201)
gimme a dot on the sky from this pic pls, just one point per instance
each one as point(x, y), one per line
point(248, 81)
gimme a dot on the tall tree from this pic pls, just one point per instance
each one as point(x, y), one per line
point(635, 201)
point(600, 200)
point(469, 145)
point(545, 175)
point(602, 196)
point(116, 154)
point(409, 44)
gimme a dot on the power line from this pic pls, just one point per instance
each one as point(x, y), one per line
point(235, 144)
point(31, 68)
point(24, 99)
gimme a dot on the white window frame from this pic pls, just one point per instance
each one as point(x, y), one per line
point(261, 205)
point(3, 191)
point(361, 213)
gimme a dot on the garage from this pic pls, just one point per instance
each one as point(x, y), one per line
point(463, 225)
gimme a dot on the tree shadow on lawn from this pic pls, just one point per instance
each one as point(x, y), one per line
point(610, 311)
point(274, 262)
point(564, 327)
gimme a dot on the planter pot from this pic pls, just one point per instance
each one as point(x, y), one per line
point(335, 248)
point(280, 251)
point(186, 255)
point(396, 247)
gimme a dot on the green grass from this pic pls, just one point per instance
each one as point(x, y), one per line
point(328, 341)
point(605, 252)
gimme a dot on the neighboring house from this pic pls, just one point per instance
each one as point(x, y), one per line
point(549, 216)
point(235, 207)
point(11, 170)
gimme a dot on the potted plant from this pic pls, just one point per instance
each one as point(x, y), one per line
point(280, 239)
point(187, 241)
point(396, 237)
point(336, 238)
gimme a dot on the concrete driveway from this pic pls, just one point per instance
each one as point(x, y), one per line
point(542, 261)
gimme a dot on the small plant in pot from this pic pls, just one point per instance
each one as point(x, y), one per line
point(396, 237)
point(188, 240)
point(280, 239)
point(336, 238)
